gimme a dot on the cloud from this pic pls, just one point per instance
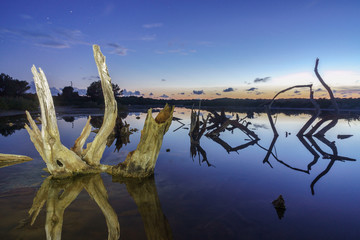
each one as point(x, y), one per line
point(182, 93)
point(130, 93)
point(199, 92)
point(159, 52)
point(118, 50)
point(265, 79)
point(219, 94)
point(297, 92)
point(164, 96)
point(91, 78)
point(151, 94)
point(319, 90)
point(53, 44)
point(163, 80)
point(251, 89)
point(152, 25)
point(44, 37)
point(26, 16)
point(149, 37)
point(230, 89)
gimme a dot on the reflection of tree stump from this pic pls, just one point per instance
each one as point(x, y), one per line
point(144, 193)
point(59, 194)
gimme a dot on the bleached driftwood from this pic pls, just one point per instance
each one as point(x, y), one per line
point(11, 159)
point(141, 162)
point(60, 160)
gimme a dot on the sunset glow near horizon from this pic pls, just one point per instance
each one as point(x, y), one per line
point(187, 49)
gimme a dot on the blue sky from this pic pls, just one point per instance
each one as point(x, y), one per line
point(186, 49)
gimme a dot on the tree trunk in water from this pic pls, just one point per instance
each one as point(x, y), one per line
point(141, 162)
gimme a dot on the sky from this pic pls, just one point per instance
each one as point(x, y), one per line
point(187, 49)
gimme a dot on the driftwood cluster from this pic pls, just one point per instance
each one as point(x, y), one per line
point(64, 162)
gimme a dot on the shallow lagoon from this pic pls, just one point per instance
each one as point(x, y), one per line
point(228, 197)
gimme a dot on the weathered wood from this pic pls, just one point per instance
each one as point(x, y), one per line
point(141, 162)
point(12, 159)
point(328, 89)
point(95, 149)
point(59, 160)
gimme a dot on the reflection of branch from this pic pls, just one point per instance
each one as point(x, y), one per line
point(144, 193)
point(228, 148)
point(59, 194)
point(333, 157)
point(311, 150)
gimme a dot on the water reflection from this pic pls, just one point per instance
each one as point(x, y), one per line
point(58, 194)
point(145, 195)
point(9, 125)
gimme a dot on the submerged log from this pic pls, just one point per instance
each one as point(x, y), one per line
point(141, 162)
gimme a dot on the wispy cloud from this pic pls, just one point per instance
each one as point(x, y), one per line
point(297, 92)
point(182, 93)
point(53, 44)
point(198, 92)
point(45, 37)
point(91, 78)
point(230, 89)
point(26, 17)
point(265, 79)
point(152, 25)
point(149, 37)
point(118, 50)
point(163, 80)
point(164, 96)
point(251, 89)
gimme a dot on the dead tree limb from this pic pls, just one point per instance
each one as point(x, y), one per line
point(328, 89)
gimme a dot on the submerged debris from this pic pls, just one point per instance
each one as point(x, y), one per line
point(344, 136)
point(279, 205)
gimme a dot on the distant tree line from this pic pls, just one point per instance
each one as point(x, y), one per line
point(13, 96)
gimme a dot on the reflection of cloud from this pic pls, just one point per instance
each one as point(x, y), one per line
point(265, 79)
point(251, 89)
point(199, 92)
point(164, 96)
point(130, 93)
point(118, 50)
point(230, 89)
point(152, 25)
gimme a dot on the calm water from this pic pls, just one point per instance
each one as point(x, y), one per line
point(228, 197)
